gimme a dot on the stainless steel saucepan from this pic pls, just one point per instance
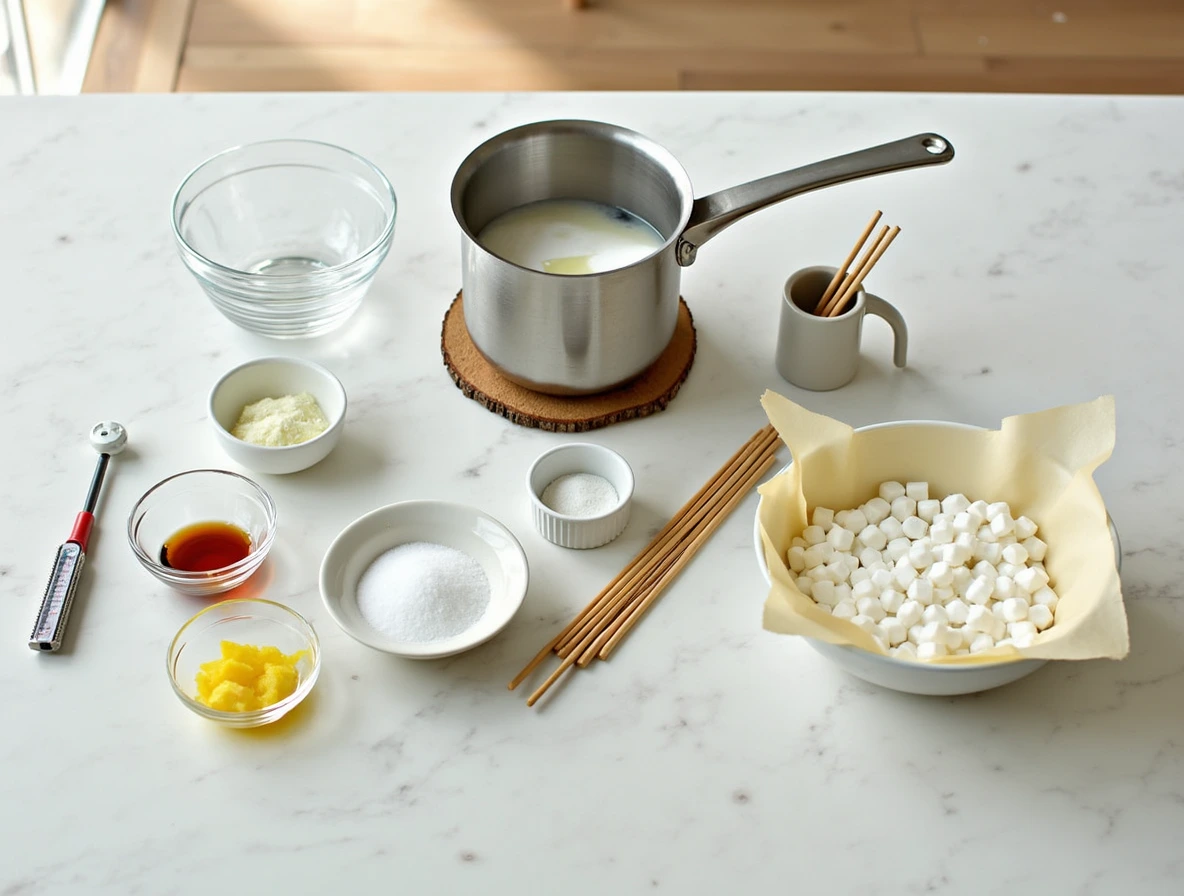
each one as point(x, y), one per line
point(587, 333)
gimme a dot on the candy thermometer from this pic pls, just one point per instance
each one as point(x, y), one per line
point(107, 438)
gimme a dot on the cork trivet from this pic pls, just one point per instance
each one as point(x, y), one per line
point(648, 394)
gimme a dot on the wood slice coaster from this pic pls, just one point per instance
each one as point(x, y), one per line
point(648, 394)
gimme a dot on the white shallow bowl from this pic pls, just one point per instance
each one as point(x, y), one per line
point(574, 531)
point(927, 679)
point(273, 378)
point(466, 529)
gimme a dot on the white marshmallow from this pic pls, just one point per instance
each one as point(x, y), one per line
point(903, 507)
point(840, 539)
point(805, 585)
point(1031, 580)
point(897, 548)
point(981, 642)
point(869, 556)
point(1015, 609)
point(1006, 540)
point(1022, 629)
point(967, 635)
point(918, 491)
point(796, 557)
point(929, 509)
point(957, 611)
point(1004, 587)
point(953, 638)
point(954, 504)
point(840, 518)
point(824, 608)
point(1002, 525)
point(1016, 554)
point(962, 651)
point(824, 593)
point(799, 542)
point(1003, 642)
point(943, 595)
point(845, 610)
point(890, 491)
point(1024, 528)
point(980, 590)
point(864, 622)
point(815, 555)
point(814, 535)
point(941, 532)
point(942, 517)
point(905, 651)
point(921, 590)
point(893, 631)
point(983, 568)
point(928, 650)
point(962, 579)
point(861, 574)
point(935, 613)
point(882, 578)
point(940, 574)
point(915, 634)
point(837, 570)
point(856, 521)
point(1040, 616)
point(919, 555)
point(904, 574)
point(991, 552)
point(979, 507)
point(876, 510)
point(997, 610)
point(843, 592)
point(873, 537)
point(955, 554)
point(1045, 597)
point(985, 534)
point(823, 517)
point(909, 612)
point(966, 540)
point(892, 600)
point(864, 588)
point(892, 528)
point(934, 632)
point(967, 522)
point(999, 627)
point(1007, 569)
point(980, 619)
point(870, 607)
point(997, 508)
point(1036, 549)
point(914, 527)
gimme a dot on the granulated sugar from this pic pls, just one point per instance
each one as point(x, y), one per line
point(581, 495)
point(422, 591)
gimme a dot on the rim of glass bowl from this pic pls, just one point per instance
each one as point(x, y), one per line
point(210, 575)
point(243, 719)
point(325, 273)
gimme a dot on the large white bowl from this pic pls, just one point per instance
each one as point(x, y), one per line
point(456, 526)
point(273, 378)
point(904, 675)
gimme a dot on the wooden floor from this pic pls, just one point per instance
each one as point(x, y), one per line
point(1063, 46)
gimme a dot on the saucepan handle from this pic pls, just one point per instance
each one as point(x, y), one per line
point(711, 214)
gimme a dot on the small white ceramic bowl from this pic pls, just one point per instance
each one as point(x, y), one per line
point(463, 528)
point(575, 531)
point(273, 378)
point(903, 675)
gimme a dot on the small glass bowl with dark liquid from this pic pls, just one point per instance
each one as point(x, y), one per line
point(203, 531)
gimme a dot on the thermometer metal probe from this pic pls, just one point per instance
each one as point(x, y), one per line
point(107, 438)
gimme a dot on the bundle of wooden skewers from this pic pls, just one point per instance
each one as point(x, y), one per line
point(599, 627)
point(848, 280)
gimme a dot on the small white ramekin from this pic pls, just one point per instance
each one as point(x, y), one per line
point(580, 457)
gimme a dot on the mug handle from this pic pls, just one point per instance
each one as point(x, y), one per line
point(900, 333)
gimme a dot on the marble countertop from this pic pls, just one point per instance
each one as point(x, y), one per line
point(1039, 268)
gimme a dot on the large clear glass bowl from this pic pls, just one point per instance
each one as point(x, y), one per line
point(285, 236)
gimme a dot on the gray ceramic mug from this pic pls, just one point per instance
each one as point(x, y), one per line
point(822, 353)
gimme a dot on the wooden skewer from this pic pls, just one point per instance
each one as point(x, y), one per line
point(604, 597)
point(842, 271)
point(849, 278)
point(853, 288)
point(740, 484)
point(661, 547)
point(624, 624)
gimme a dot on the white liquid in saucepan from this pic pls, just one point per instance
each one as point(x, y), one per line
point(570, 236)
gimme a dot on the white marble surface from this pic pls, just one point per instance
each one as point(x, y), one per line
point(1039, 268)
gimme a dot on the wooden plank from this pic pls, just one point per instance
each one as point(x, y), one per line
point(1131, 33)
point(704, 25)
point(829, 71)
point(138, 46)
point(417, 68)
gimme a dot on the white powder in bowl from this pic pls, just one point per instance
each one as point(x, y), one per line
point(422, 591)
point(275, 422)
point(581, 495)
